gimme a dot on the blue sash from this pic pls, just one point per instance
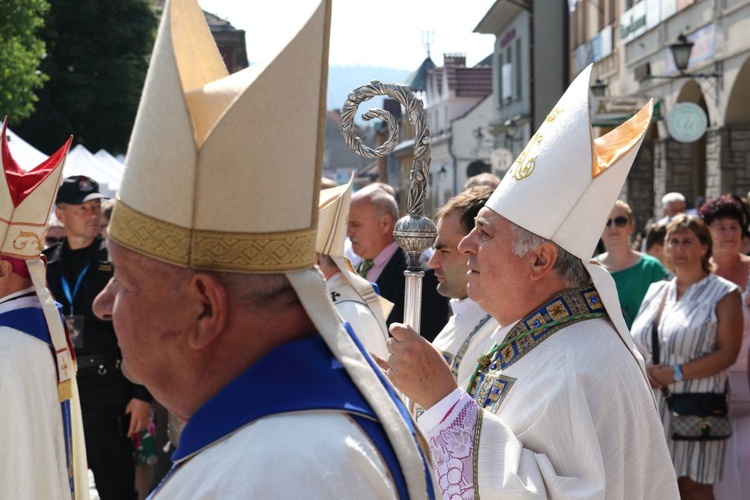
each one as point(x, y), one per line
point(31, 320)
point(316, 382)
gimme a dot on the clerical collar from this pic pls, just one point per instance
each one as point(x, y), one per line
point(460, 306)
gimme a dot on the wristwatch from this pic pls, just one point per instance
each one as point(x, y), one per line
point(677, 373)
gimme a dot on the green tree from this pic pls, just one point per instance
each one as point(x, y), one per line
point(21, 50)
point(97, 61)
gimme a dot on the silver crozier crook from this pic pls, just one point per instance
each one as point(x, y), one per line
point(414, 232)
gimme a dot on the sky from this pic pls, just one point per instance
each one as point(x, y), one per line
point(359, 36)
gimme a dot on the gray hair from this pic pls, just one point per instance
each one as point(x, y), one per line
point(672, 198)
point(568, 267)
point(382, 202)
point(254, 288)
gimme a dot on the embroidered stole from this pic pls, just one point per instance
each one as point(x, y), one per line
point(489, 386)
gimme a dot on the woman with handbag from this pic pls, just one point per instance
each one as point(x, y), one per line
point(726, 219)
point(690, 329)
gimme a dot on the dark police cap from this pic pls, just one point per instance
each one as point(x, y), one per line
point(78, 189)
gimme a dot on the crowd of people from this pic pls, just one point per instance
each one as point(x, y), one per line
point(269, 324)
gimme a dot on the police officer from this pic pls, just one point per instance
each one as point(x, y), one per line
point(113, 408)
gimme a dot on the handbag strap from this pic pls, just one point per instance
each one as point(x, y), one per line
point(655, 346)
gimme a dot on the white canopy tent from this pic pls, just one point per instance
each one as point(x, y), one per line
point(114, 166)
point(102, 167)
point(26, 155)
point(80, 161)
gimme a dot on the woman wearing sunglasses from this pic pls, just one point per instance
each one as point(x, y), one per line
point(632, 271)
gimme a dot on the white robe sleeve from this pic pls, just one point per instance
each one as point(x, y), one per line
point(365, 326)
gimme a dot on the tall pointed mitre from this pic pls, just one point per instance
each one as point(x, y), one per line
point(26, 201)
point(564, 184)
point(333, 216)
point(223, 174)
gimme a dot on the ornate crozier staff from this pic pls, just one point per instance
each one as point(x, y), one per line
point(414, 232)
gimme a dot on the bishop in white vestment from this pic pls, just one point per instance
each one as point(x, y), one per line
point(560, 406)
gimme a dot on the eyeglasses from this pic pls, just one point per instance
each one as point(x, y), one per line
point(619, 221)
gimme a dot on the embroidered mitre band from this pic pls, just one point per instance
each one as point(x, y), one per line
point(222, 170)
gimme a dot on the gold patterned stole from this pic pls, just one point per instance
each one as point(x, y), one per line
point(488, 386)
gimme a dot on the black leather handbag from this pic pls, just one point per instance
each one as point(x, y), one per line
point(699, 416)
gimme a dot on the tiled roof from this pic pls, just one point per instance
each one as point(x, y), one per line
point(474, 82)
point(465, 82)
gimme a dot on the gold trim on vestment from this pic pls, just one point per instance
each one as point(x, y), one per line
point(212, 250)
point(477, 441)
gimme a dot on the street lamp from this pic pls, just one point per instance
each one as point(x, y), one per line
point(442, 174)
point(598, 88)
point(681, 52)
point(681, 56)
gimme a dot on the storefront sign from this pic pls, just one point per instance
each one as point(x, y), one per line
point(687, 122)
point(611, 111)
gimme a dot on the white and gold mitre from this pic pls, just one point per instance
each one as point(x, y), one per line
point(564, 184)
point(223, 171)
point(26, 200)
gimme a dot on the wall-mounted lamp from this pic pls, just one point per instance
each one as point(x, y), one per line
point(681, 56)
point(598, 88)
point(442, 173)
point(681, 52)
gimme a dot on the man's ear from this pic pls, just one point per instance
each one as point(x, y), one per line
point(210, 296)
point(6, 270)
point(544, 257)
point(386, 222)
point(60, 214)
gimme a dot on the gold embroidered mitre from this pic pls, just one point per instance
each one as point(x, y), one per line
point(26, 200)
point(564, 184)
point(223, 171)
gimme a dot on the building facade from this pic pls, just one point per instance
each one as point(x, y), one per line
point(703, 153)
point(530, 69)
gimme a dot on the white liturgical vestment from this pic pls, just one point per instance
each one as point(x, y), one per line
point(564, 412)
point(355, 311)
point(32, 446)
point(327, 456)
point(465, 337)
